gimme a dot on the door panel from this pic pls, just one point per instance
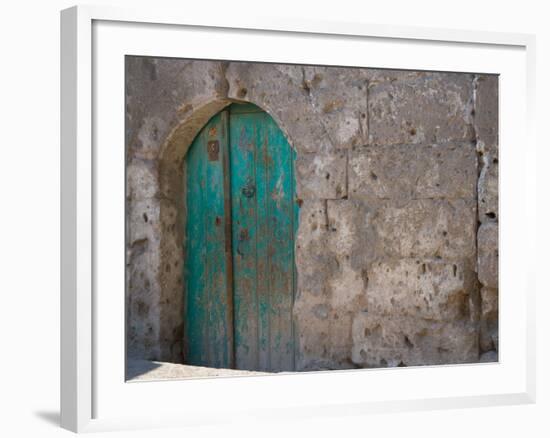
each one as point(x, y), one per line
point(259, 183)
point(208, 308)
point(263, 241)
point(248, 329)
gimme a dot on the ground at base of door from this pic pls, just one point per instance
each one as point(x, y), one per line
point(139, 370)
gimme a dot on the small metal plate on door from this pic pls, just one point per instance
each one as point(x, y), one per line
point(213, 149)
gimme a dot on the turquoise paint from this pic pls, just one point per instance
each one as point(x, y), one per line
point(247, 323)
point(207, 319)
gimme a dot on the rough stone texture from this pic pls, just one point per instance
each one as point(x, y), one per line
point(488, 336)
point(486, 113)
point(429, 289)
point(321, 176)
point(424, 228)
point(344, 113)
point(304, 102)
point(311, 254)
point(143, 291)
point(420, 107)
point(418, 228)
point(487, 260)
point(351, 231)
point(159, 93)
point(142, 177)
point(393, 171)
point(382, 340)
point(329, 292)
point(486, 126)
point(412, 171)
point(488, 189)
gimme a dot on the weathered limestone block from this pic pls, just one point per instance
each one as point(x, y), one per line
point(141, 179)
point(415, 172)
point(143, 292)
point(381, 340)
point(154, 274)
point(341, 341)
point(427, 228)
point(143, 220)
point(486, 124)
point(321, 176)
point(420, 107)
point(362, 232)
point(313, 344)
point(311, 315)
point(330, 291)
point(325, 340)
point(487, 258)
point(162, 91)
point(142, 300)
point(486, 112)
point(431, 289)
point(142, 310)
point(488, 189)
point(351, 232)
point(152, 131)
point(348, 288)
point(489, 302)
point(314, 264)
point(488, 337)
point(281, 90)
point(313, 221)
point(171, 281)
point(339, 96)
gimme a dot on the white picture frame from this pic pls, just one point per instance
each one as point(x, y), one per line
point(94, 397)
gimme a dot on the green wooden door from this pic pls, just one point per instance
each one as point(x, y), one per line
point(241, 221)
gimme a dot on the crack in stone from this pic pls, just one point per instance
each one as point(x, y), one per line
point(224, 83)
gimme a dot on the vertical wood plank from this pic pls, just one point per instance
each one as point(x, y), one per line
point(280, 241)
point(195, 317)
point(263, 236)
point(208, 306)
point(263, 288)
point(219, 346)
point(228, 253)
point(296, 203)
point(245, 236)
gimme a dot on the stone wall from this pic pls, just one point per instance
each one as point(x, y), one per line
point(396, 173)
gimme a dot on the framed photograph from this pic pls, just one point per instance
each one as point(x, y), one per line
point(290, 218)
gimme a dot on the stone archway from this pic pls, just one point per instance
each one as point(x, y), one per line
point(172, 223)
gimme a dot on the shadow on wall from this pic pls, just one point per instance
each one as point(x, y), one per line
point(138, 367)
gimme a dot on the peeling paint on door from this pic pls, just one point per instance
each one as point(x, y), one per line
point(241, 279)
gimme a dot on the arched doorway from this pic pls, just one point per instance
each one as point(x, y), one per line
point(242, 217)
